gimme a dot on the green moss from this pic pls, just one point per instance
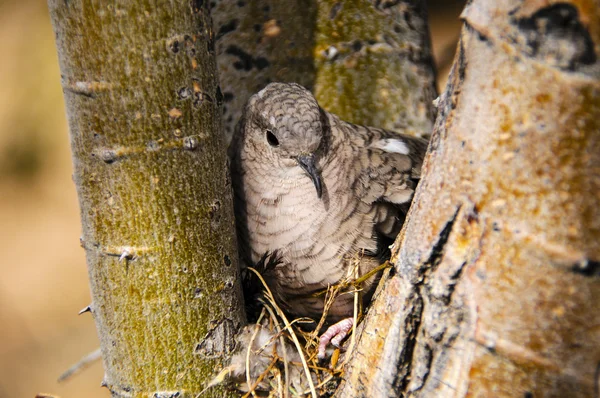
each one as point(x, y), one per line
point(366, 68)
point(354, 20)
point(154, 195)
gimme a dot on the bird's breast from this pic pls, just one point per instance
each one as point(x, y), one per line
point(313, 236)
point(284, 216)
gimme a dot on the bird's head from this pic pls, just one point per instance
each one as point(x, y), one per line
point(283, 124)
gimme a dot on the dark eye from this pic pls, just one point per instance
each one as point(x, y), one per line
point(271, 139)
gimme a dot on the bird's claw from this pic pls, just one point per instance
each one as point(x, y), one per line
point(334, 335)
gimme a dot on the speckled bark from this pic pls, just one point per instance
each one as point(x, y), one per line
point(366, 61)
point(497, 280)
point(143, 105)
point(373, 63)
point(258, 42)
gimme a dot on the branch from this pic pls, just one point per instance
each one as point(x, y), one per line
point(144, 110)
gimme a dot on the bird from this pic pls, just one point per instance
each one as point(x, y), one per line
point(312, 194)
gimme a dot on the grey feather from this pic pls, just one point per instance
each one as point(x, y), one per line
point(366, 175)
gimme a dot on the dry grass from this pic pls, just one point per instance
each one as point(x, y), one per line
point(285, 373)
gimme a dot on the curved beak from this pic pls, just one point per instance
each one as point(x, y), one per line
point(307, 162)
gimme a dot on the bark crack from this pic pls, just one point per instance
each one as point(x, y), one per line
point(437, 252)
point(414, 318)
point(111, 155)
point(587, 267)
point(412, 326)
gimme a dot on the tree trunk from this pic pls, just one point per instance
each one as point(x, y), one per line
point(144, 109)
point(496, 283)
point(374, 65)
point(367, 61)
point(258, 42)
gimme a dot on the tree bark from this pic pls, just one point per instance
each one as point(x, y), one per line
point(259, 42)
point(374, 65)
point(496, 282)
point(367, 61)
point(144, 111)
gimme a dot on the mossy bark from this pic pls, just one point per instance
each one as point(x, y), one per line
point(367, 61)
point(144, 111)
point(373, 64)
point(496, 283)
point(259, 42)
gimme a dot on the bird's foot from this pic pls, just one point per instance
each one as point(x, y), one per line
point(334, 334)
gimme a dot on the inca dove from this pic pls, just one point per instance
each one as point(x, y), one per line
point(317, 192)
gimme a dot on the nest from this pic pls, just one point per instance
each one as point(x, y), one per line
point(277, 358)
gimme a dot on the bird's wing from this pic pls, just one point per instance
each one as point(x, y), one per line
point(390, 166)
point(387, 169)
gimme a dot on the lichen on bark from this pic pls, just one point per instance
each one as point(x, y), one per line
point(367, 61)
point(373, 64)
point(144, 108)
point(496, 278)
point(259, 42)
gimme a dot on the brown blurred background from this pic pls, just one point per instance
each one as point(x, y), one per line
point(43, 277)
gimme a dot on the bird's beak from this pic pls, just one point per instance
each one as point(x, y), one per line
point(307, 162)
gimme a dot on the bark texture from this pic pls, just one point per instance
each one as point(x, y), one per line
point(143, 106)
point(373, 64)
point(259, 42)
point(367, 61)
point(497, 280)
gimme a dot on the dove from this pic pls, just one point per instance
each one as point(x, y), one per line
point(313, 195)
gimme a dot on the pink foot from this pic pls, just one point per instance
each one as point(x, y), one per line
point(334, 334)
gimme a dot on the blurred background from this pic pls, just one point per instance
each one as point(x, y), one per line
point(43, 276)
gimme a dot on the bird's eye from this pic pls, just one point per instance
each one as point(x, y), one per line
point(271, 139)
